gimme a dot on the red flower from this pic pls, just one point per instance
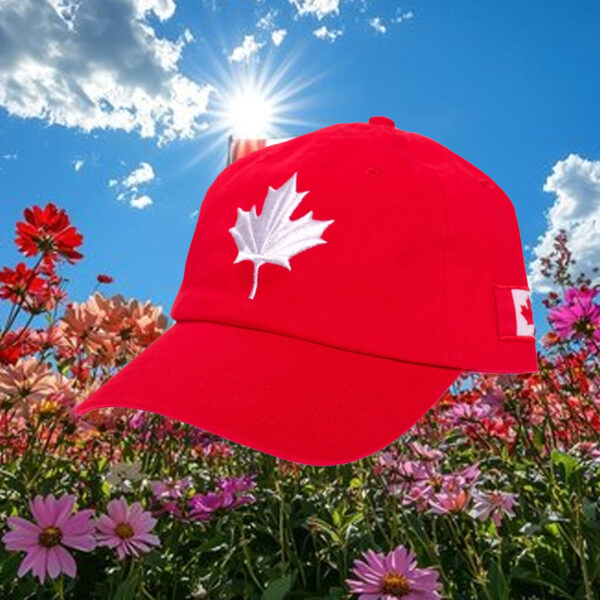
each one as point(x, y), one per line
point(35, 290)
point(18, 283)
point(16, 344)
point(104, 278)
point(49, 231)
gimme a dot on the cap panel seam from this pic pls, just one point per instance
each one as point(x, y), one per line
point(449, 352)
point(410, 139)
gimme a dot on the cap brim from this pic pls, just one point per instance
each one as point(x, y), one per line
point(294, 399)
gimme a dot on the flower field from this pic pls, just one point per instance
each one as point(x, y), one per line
point(493, 495)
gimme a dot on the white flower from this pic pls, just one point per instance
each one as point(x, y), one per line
point(123, 475)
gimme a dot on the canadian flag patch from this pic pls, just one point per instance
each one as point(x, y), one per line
point(514, 314)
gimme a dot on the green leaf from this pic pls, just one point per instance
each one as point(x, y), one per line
point(564, 463)
point(127, 589)
point(498, 586)
point(278, 589)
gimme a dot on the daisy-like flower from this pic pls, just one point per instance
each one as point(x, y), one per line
point(579, 316)
point(49, 231)
point(27, 382)
point(450, 501)
point(20, 284)
point(126, 528)
point(173, 489)
point(393, 575)
point(493, 504)
point(232, 492)
point(46, 540)
point(203, 506)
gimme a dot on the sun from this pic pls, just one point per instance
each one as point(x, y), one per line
point(249, 113)
point(256, 101)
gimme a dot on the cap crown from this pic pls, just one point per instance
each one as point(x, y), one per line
point(418, 249)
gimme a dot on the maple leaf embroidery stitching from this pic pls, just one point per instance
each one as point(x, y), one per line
point(527, 312)
point(272, 237)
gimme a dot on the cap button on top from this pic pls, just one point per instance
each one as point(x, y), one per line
point(382, 121)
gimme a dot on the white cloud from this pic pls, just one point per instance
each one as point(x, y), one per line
point(403, 16)
point(129, 186)
point(244, 52)
point(278, 36)
point(143, 174)
point(575, 182)
point(316, 8)
point(78, 164)
point(327, 35)
point(140, 202)
point(163, 9)
point(98, 64)
point(377, 24)
point(10, 156)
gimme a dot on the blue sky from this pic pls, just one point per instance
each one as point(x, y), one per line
point(513, 88)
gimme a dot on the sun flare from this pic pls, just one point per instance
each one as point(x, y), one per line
point(249, 113)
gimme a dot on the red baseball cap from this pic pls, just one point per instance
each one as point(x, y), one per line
point(336, 285)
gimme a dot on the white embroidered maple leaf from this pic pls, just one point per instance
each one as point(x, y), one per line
point(272, 237)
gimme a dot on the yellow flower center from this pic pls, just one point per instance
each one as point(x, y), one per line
point(124, 531)
point(48, 407)
point(50, 536)
point(395, 585)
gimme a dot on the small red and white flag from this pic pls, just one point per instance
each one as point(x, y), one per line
point(240, 147)
point(515, 317)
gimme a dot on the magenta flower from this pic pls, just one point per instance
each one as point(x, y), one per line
point(231, 492)
point(236, 487)
point(203, 506)
point(45, 542)
point(493, 504)
point(579, 316)
point(393, 575)
point(126, 528)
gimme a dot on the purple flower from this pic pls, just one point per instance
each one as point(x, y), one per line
point(394, 575)
point(579, 316)
point(45, 541)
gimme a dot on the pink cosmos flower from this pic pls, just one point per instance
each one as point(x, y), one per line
point(27, 382)
point(425, 452)
point(171, 488)
point(579, 316)
point(493, 504)
point(451, 501)
point(393, 575)
point(45, 541)
point(126, 528)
